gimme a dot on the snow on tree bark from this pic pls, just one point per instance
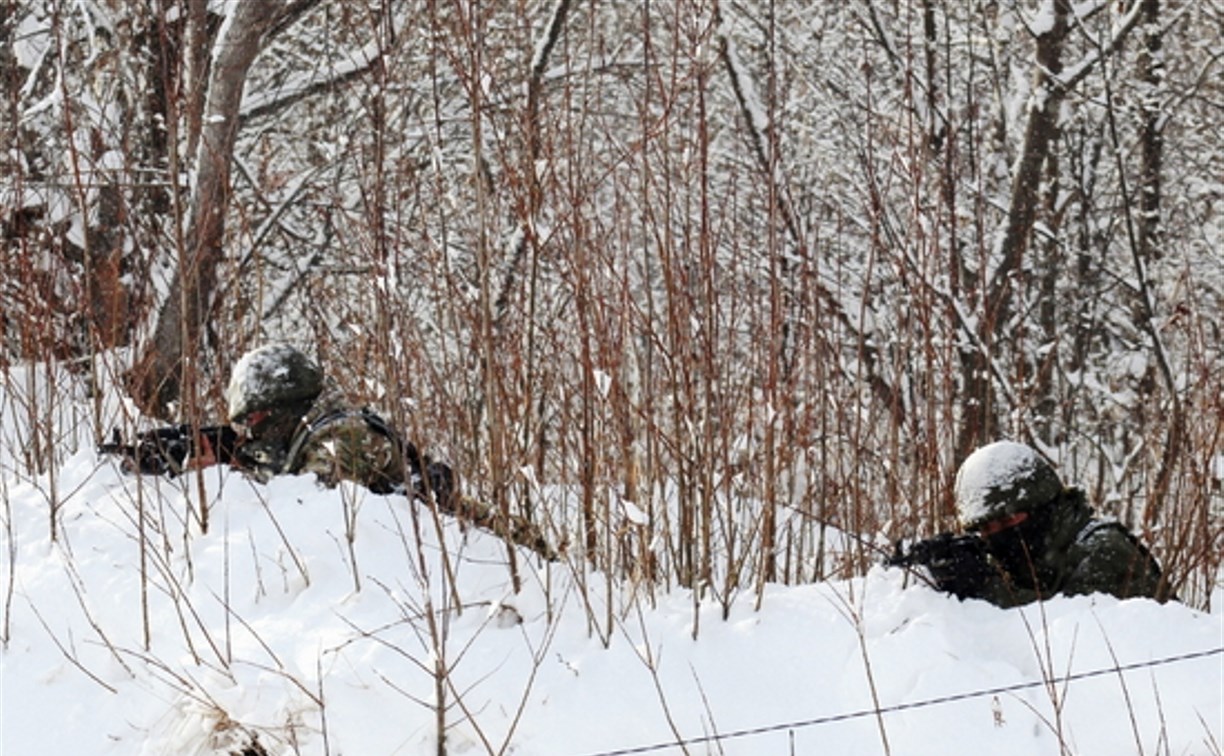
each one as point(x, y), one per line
point(159, 376)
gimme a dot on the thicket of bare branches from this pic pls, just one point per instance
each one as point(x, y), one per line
point(685, 281)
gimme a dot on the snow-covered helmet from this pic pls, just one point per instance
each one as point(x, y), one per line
point(1002, 479)
point(272, 377)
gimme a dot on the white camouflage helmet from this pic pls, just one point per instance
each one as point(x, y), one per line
point(272, 376)
point(1001, 479)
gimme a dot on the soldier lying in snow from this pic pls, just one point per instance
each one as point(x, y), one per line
point(1028, 538)
point(283, 419)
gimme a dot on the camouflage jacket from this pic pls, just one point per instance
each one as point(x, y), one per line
point(1081, 555)
point(337, 442)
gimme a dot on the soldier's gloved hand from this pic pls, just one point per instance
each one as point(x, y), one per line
point(959, 565)
point(441, 483)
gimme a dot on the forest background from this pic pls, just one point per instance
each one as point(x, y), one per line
point(671, 256)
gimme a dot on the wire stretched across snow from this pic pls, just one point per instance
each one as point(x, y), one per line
point(907, 706)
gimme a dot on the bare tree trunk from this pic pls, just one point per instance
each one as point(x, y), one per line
point(195, 70)
point(1040, 131)
point(1151, 144)
point(158, 379)
point(1150, 239)
point(1052, 267)
point(534, 136)
point(107, 299)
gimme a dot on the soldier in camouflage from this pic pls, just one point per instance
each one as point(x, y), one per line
point(290, 420)
point(1035, 537)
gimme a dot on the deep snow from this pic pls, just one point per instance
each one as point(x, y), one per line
point(263, 624)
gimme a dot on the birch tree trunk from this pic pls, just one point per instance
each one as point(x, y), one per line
point(166, 361)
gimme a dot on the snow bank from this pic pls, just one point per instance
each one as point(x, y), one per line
point(271, 624)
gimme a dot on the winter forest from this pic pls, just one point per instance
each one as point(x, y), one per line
point(719, 293)
point(810, 253)
point(806, 253)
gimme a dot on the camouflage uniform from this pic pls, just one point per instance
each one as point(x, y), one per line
point(294, 424)
point(336, 442)
point(1076, 554)
point(1029, 537)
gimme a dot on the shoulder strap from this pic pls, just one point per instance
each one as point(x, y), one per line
point(1096, 525)
point(372, 420)
point(425, 478)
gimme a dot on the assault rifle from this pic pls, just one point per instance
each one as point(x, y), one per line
point(163, 451)
point(958, 564)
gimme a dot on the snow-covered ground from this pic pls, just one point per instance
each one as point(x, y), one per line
point(124, 639)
